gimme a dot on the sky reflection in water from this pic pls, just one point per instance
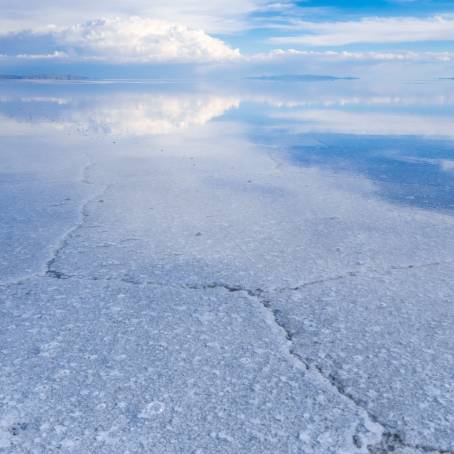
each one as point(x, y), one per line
point(397, 136)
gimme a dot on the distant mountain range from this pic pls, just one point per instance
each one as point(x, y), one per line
point(275, 78)
point(39, 77)
point(300, 78)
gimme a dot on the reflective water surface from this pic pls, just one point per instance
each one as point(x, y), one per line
point(398, 137)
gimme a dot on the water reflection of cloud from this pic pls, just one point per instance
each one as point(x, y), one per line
point(447, 165)
point(345, 101)
point(367, 123)
point(32, 99)
point(120, 114)
point(155, 114)
point(144, 108)
point(292, 123)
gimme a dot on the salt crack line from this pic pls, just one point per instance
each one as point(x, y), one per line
point(367, 273)
point(379, 439)
point(49, 268)
point(369, 431)
point(83, 215)
point(48, 271)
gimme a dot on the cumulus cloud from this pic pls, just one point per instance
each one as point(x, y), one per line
point(281, 54)
point(213, 16)
point(143, 41)
point(371, 30)
point(120, 40)
point(56, 55)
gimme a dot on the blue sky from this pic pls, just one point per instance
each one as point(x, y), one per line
point(82, 33)
point(291, 20)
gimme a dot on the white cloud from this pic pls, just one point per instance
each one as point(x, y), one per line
point(144, 40)
point(371, 30)
point(127, 40)
point(281, 54)
point(56, 55)
point(213, 16)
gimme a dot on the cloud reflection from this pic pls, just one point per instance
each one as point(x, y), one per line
point(369, 123)
point(140, 109)
point(358, 130)
point(124, 114)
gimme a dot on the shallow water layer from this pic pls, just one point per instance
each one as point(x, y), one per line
point(398, 137)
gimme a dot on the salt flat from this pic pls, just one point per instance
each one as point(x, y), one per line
point(176, 286)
